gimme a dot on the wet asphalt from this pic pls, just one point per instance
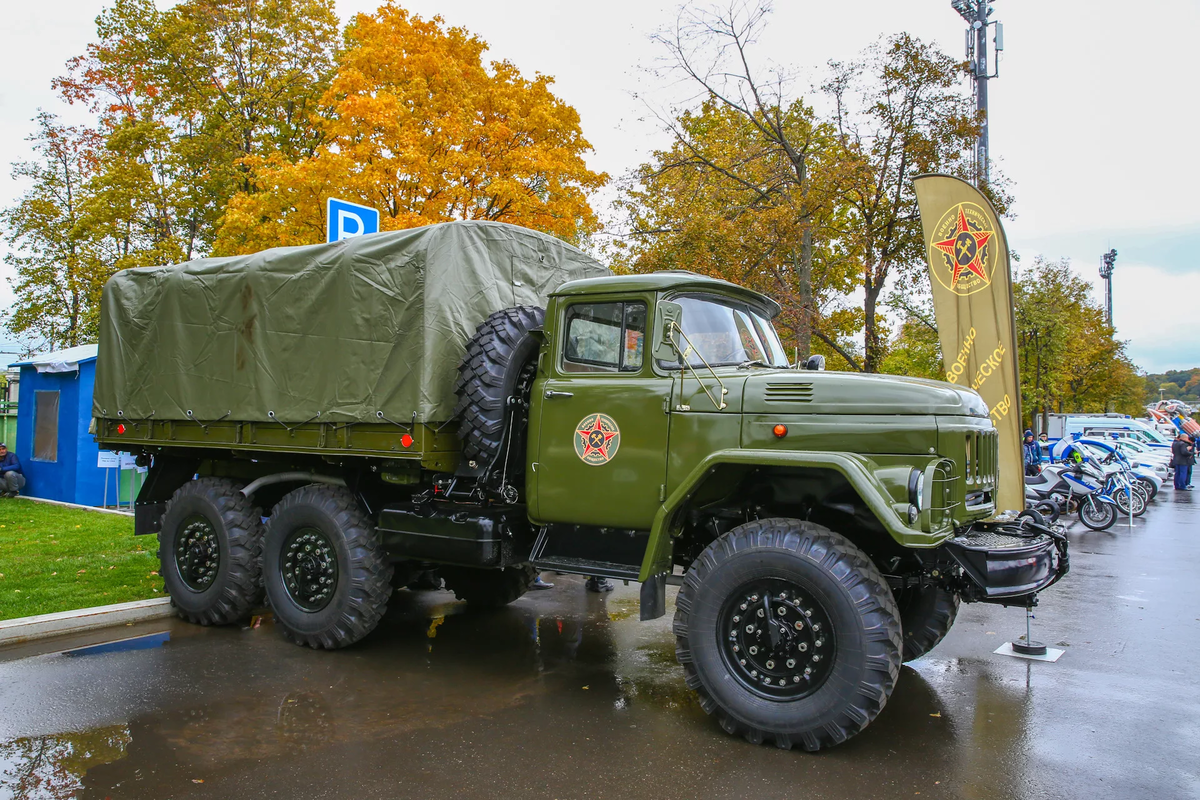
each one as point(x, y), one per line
point(566, 694)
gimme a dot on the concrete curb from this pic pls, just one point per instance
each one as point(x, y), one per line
point(27, 629)
point(75, 505)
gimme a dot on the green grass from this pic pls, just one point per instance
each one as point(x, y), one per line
point(58, 559)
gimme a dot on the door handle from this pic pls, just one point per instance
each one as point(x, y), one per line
point(551, 393)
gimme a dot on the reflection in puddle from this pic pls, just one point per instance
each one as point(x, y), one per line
point(146, 642)
point(52, 767)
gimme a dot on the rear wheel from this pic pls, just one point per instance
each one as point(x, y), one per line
point(489, 588)
point(787, 632)
point(1049, 511)
point(326, 575)
point(926, 614)
point(209, 552)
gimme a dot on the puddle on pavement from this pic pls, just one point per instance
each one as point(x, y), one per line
point(212, 702)
point(540, 680)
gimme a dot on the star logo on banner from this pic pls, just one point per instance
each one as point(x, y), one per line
point(963, 243)
point(597, 438)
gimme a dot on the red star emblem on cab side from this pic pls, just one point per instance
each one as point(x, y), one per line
point(597, 438)
point(965, 249)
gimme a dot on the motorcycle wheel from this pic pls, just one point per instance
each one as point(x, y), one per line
point(1050, 511)
point(1148, 485)
point(1096, 515)
point(1124, 499)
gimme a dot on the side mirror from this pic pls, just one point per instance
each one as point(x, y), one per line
point(666, 315)
point(815, 362)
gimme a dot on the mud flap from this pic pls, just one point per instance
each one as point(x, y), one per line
point(654, 597)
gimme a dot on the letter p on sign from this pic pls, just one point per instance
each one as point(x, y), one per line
point(345, 219)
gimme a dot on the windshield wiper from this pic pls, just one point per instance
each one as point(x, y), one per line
point(754, 363)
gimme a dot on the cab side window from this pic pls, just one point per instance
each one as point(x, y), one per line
point(605, 337)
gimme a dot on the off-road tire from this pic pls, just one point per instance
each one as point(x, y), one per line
point(236, 525)
point(501, 347)
point(846, 587)
point(926, 614)
point(363, 578)
point(489, 588)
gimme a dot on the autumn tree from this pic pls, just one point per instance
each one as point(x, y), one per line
point(184, 97)
point(417, 125)
point(1068, 356)
point(757, 169)
point(58, 270)
point(899, 112)
point(722, 202)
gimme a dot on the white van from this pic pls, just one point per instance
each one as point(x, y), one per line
point(1136, 429)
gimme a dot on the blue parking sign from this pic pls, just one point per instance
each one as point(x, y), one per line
point(349, 219)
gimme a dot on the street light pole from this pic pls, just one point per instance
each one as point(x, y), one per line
point(976, 13)
point(1106, 271)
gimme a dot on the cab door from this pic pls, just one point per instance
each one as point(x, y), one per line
point(602, 433)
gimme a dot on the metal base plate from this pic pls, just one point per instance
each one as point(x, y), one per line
point(1006, 649)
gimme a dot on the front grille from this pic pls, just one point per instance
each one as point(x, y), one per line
point(982, 454)
point(788, 393)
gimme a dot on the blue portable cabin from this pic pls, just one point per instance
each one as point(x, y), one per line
point(57, 452)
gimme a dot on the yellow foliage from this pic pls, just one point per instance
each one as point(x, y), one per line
point(415, 125)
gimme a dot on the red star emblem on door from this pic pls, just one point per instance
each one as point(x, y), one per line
point(597, 438)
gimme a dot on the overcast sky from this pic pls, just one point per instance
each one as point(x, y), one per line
point(1090, 118)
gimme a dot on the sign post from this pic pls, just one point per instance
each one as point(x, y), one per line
point(108, 461)
point(345, 219)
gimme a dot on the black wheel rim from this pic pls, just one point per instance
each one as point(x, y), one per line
point(309, 567)
point(776, 639)
point(197, 553)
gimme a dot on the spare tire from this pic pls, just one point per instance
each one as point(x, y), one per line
point(497, 354)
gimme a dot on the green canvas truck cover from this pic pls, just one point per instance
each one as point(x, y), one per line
point(343, 332)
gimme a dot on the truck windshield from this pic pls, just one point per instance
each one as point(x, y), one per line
point(724, 332)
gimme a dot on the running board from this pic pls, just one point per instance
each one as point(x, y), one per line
point(581, 566)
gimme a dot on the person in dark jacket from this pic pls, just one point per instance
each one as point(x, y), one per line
point(12, 477)
point(1183, 458)
point(1033, 454)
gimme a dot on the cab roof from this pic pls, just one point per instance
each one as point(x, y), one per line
point(667, 281)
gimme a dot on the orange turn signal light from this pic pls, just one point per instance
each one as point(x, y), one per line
point(780, 431)
point(406, 440)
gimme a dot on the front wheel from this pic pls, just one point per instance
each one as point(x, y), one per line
point(788, 632)
point(326, 575)
point(1150, 487)
point(1097, 515)
point(1130, 498)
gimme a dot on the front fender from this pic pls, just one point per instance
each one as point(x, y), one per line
point(853, 468)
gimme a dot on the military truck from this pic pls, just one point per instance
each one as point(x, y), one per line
point(323, 423)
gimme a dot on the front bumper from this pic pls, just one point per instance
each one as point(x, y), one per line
point(1006, 562)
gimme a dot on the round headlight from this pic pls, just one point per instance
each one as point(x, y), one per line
point(916, 488)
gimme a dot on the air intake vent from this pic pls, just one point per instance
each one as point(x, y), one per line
point(789, 393)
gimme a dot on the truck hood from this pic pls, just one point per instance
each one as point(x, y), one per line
point(819, 392)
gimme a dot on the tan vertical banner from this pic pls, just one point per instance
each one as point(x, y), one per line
point(973, 303)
